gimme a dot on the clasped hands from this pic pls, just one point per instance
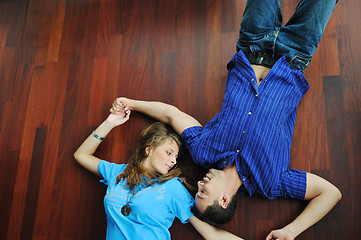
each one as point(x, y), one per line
point(120, 113)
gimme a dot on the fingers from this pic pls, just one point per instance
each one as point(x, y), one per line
point(271, 236)
point(119, 106)
point(127, 114)
point(124, 113)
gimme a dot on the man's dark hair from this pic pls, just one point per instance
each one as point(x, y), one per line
point(215, 214)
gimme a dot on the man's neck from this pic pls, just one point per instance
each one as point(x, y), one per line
point(232, 177)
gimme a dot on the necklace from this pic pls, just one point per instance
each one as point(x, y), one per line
point(126, 210)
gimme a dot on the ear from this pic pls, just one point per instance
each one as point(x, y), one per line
point(224, 201)
point(148, 150)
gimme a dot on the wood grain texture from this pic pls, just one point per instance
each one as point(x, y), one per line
point(62, 63)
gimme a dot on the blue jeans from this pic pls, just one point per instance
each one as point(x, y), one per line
point(264, 40)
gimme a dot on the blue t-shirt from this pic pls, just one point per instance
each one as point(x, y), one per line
point(153, 208)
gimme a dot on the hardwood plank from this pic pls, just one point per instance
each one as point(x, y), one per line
point(62, 63)
point(32, 193)
point(97, 89)
point(228, 16)
point(336, 129)
point(8, 166)
point(56, 33)
point(215, 82)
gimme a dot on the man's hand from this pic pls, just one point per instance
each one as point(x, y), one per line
point(279, 234)
point(323, 197)
point(121, 104)
point(162, 112)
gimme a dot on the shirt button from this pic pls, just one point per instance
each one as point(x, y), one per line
point(249, 113)
point(252, 80)
point(224, 162)
point(243, 132)
point(256, 95)
point(237, 150)
point(244, 179)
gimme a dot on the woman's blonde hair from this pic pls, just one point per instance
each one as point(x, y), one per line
point(152, 137)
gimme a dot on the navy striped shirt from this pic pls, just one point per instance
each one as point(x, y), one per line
point(254, 129)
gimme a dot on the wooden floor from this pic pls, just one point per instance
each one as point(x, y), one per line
point(62, 63)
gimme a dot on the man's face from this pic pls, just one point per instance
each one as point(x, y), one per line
point(209, 189)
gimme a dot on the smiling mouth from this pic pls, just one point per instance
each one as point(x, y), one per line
point(169, 167)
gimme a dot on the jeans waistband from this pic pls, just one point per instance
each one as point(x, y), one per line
point(260, 59)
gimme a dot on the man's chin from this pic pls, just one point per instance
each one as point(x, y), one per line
point(200, 206)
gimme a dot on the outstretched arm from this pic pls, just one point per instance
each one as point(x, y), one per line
point(323, 196)
point(209, 232)
point(84, 154)
point(163, 112)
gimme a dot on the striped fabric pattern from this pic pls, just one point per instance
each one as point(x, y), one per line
point(254, 128)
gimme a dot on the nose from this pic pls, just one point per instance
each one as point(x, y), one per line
point(174, 160)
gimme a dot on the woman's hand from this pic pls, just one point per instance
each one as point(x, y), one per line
point(118, 118)
point(119, 112)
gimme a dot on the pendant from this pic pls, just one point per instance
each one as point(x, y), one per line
point(126, 210)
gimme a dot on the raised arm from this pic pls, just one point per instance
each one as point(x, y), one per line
point(323, 196)
point(163, 112)
point(84, 155)
point(209, 232)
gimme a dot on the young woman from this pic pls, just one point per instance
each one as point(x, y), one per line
point(144, 196)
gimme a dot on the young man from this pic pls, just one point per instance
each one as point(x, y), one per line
point(247, 144)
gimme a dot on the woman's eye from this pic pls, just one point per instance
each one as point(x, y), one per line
point(168, 153)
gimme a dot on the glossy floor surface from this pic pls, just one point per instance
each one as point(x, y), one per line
point(62, 63)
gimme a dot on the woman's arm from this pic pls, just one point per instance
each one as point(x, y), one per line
point(209, 232)
point(84, 155)
point(163, 112)
point(323, 196)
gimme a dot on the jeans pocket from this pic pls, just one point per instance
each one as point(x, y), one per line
point(300, 62)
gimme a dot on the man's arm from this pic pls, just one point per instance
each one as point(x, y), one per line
point(209, 232)
point(323, 196)
point(163, 112)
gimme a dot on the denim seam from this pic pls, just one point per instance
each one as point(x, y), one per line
point(279, 10)
point(300, 56)
point(274, 42)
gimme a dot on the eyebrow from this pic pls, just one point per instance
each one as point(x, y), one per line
point(173, 151)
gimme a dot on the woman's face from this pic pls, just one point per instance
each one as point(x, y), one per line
point(162, 158)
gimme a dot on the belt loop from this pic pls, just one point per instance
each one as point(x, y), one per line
point(259, 58)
